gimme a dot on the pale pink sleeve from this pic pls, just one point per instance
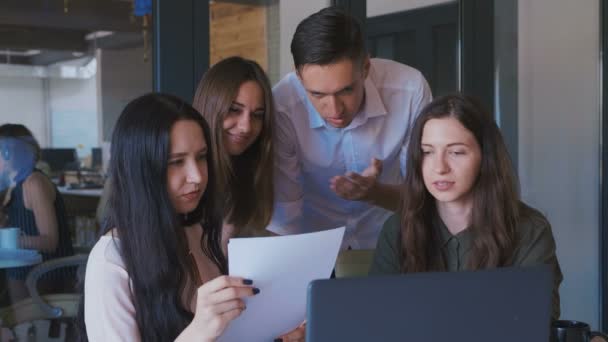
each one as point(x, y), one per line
point(109, 313)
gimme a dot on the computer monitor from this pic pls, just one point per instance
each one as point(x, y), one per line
point(507, 304)
point(60, 159)
point(96, 158)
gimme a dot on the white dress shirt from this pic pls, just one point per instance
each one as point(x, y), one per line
point(309, 152)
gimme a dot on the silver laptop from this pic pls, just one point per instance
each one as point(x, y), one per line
point(506, 304)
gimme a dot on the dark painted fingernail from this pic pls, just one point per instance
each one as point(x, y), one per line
point(247, 281)
point(278, 340)
point(256, 290)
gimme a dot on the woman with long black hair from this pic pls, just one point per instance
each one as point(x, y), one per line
point(156, 274)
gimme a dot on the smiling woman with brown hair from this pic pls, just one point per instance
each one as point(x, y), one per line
point(235, 98)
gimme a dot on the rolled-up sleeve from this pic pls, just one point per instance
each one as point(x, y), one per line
point(287, 213)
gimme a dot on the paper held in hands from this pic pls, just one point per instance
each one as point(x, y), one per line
point(281, 267)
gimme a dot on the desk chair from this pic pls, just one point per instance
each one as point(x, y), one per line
point(31, 317)
point(354, 263)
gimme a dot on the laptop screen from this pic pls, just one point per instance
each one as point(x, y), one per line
point(506, 304)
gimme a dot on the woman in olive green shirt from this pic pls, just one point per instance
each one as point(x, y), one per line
point(460, 205)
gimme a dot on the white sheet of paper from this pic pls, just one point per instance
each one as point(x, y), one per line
point(281, 267)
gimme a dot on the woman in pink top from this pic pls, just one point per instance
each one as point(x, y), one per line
point(157, 273)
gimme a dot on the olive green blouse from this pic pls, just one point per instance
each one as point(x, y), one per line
point(536, 246)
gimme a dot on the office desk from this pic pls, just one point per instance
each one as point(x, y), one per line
point(80, 202)
point(66, 191)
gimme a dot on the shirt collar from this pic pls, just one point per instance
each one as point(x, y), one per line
point(314, 118)
point(464, 238)
point(372, 105)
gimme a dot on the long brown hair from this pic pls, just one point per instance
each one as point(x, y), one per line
point(496, 205)
point(245, 180)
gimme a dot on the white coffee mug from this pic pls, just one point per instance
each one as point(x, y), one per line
point(9, 237)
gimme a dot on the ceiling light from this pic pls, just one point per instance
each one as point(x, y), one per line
point(98, 34)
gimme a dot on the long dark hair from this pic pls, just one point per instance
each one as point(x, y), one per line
point(246, 180)
point(496, 204)
point(153, 243)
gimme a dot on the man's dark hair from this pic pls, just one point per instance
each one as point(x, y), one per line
point(326, 37)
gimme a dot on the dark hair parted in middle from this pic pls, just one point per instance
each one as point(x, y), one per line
point(245, 180)
point(153, 243)
point(496, 206)
point(326, 37)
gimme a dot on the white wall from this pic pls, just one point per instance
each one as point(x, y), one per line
point(559, 137)
point(291, 13)
point(123, 76)
point(380, 7)
point(21, 101)
point(33, 101)
point(74, 119)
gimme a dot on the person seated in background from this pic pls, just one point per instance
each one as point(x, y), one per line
point(158, 272)
point(32, 203)
point(461, 208)
point(235, 98)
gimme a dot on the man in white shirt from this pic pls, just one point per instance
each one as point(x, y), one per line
point(341, 132)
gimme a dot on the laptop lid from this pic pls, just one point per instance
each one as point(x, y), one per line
point(506, 304)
